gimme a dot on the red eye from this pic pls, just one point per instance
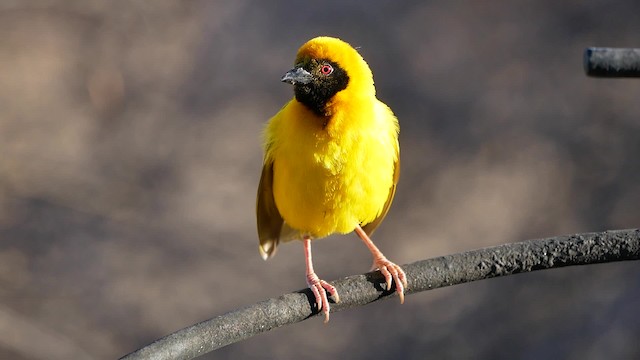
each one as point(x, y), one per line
point(326, 69)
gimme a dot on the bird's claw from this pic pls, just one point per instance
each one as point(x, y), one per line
point(318, 288)
point(392, 272)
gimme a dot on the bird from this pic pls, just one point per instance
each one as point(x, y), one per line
point(331, 161)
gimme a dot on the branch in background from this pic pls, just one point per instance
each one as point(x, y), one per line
point(612, 62)
point(358, 290)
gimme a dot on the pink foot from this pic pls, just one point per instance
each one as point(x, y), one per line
point(318, 287)
point(389, 270)
point(392, 272)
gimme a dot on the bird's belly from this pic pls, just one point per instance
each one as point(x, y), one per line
point(323, 194)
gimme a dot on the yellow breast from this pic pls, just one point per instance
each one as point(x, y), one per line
point(330, 176)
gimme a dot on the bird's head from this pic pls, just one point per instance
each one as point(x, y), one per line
point(326, 72)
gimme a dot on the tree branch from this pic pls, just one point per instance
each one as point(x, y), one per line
point(358, 290)
point(612, 62)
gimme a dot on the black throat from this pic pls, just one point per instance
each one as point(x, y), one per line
point(316, 94)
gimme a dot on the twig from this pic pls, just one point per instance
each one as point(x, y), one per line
point(612, 62)
point(358, 290)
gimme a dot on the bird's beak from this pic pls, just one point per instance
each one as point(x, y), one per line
point(297, 76)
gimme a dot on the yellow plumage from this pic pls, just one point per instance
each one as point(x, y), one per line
point(330, 179)
point(331, 153)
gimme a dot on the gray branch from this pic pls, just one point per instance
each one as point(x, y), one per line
point(612, 62)
point(358, 290)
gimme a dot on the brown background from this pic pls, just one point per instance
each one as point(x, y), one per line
point(130, 155)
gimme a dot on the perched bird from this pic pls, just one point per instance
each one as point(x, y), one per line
point(331, 160)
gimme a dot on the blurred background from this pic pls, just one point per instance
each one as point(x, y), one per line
point(130, 156)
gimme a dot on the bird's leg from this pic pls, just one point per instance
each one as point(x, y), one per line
point(390, 270)
point(318, 286)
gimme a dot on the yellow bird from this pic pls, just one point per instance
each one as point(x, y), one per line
point(331, 160)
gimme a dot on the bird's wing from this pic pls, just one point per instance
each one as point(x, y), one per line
point(269, 219)
point(371, 227)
